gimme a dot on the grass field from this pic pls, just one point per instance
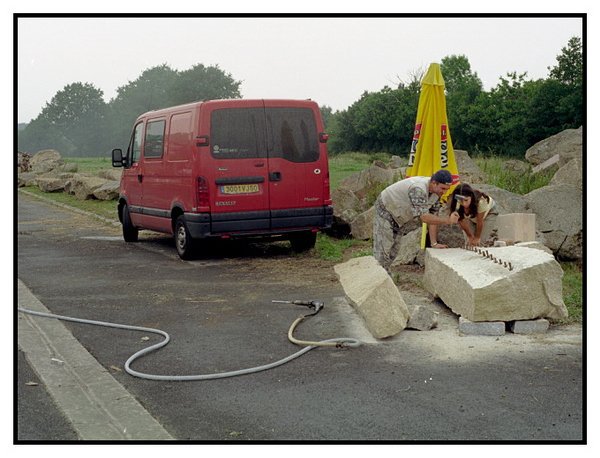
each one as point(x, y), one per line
point(336, 250)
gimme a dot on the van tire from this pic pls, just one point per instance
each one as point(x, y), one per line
point(184, 243)
point(303, 241)
point(130, 232)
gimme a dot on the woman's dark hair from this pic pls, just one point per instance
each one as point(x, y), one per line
point(466, 190)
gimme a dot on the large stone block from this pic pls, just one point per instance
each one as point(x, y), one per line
point(480, 289)
point(373, 294)
point(516, 227)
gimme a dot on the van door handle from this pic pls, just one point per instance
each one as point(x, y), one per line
point(275, 176)
point(140, 177)
point(259, 164)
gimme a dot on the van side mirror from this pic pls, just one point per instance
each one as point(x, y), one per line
point(323, 137)
point(117, 158)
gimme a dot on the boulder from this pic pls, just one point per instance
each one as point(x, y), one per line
point(571, 174)
point(559, 218)
point(515, 165)
point(361, 227)
point(568, 144)
point(45, 161)
point(422, 318)
point(480, 289)
point(468, 170)
point(108, 191)
point(343, 200)
point(50, 184)
point(547, 164)
point(506, 201)
point(397, 162)
point(410, 247)
point(23, 160)
point(362, 182)
point(373, 294)
point(83, 186)
point(353, 197)
point(69, 167)
point(26, 179)
point(113, 174)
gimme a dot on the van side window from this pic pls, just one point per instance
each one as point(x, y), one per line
point(135, 144)
point(155, 137)
point(293, 134)
point(237, 133)
point(180, 137)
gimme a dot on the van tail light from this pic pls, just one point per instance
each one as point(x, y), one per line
point(203, 194)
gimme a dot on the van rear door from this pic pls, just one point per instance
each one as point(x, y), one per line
point(237, 169)
point(298, 169)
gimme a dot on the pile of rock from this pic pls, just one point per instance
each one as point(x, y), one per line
point(47, 170)
point(353, 200)
point(558, 206)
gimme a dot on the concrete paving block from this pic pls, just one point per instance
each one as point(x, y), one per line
point(539, 326)
point(481, 328)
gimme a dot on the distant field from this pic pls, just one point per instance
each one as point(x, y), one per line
point(90, 164)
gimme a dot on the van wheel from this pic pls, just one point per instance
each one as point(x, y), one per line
point(130, 232)
point(183, 240)
point(303, 242)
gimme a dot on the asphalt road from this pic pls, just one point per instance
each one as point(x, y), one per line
point(417, 386)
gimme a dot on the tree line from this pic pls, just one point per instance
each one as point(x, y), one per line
point(505, 120)
point(78, 122)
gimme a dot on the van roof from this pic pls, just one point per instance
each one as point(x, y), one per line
point(223, 101)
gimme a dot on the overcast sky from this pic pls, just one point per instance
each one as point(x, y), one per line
point(330, 60)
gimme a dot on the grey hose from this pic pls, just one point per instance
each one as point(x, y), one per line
point(339, 342)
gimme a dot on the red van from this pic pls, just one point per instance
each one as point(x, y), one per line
point(227, 168)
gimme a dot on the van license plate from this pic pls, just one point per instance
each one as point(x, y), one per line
point(239, 188)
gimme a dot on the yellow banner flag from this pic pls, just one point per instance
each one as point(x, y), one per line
point(431, 148)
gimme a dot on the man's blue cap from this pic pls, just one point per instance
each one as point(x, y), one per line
point(442, 177)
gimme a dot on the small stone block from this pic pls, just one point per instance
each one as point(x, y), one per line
point(518, 227)
point(481, 328)
point(529, 326)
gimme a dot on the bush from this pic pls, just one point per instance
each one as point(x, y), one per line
point(516, 182)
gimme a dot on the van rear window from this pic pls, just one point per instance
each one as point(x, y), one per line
point(289, 133)
point(292, 134)
point(238, 133)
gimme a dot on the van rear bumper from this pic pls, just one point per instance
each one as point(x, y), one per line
point(203, 225)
